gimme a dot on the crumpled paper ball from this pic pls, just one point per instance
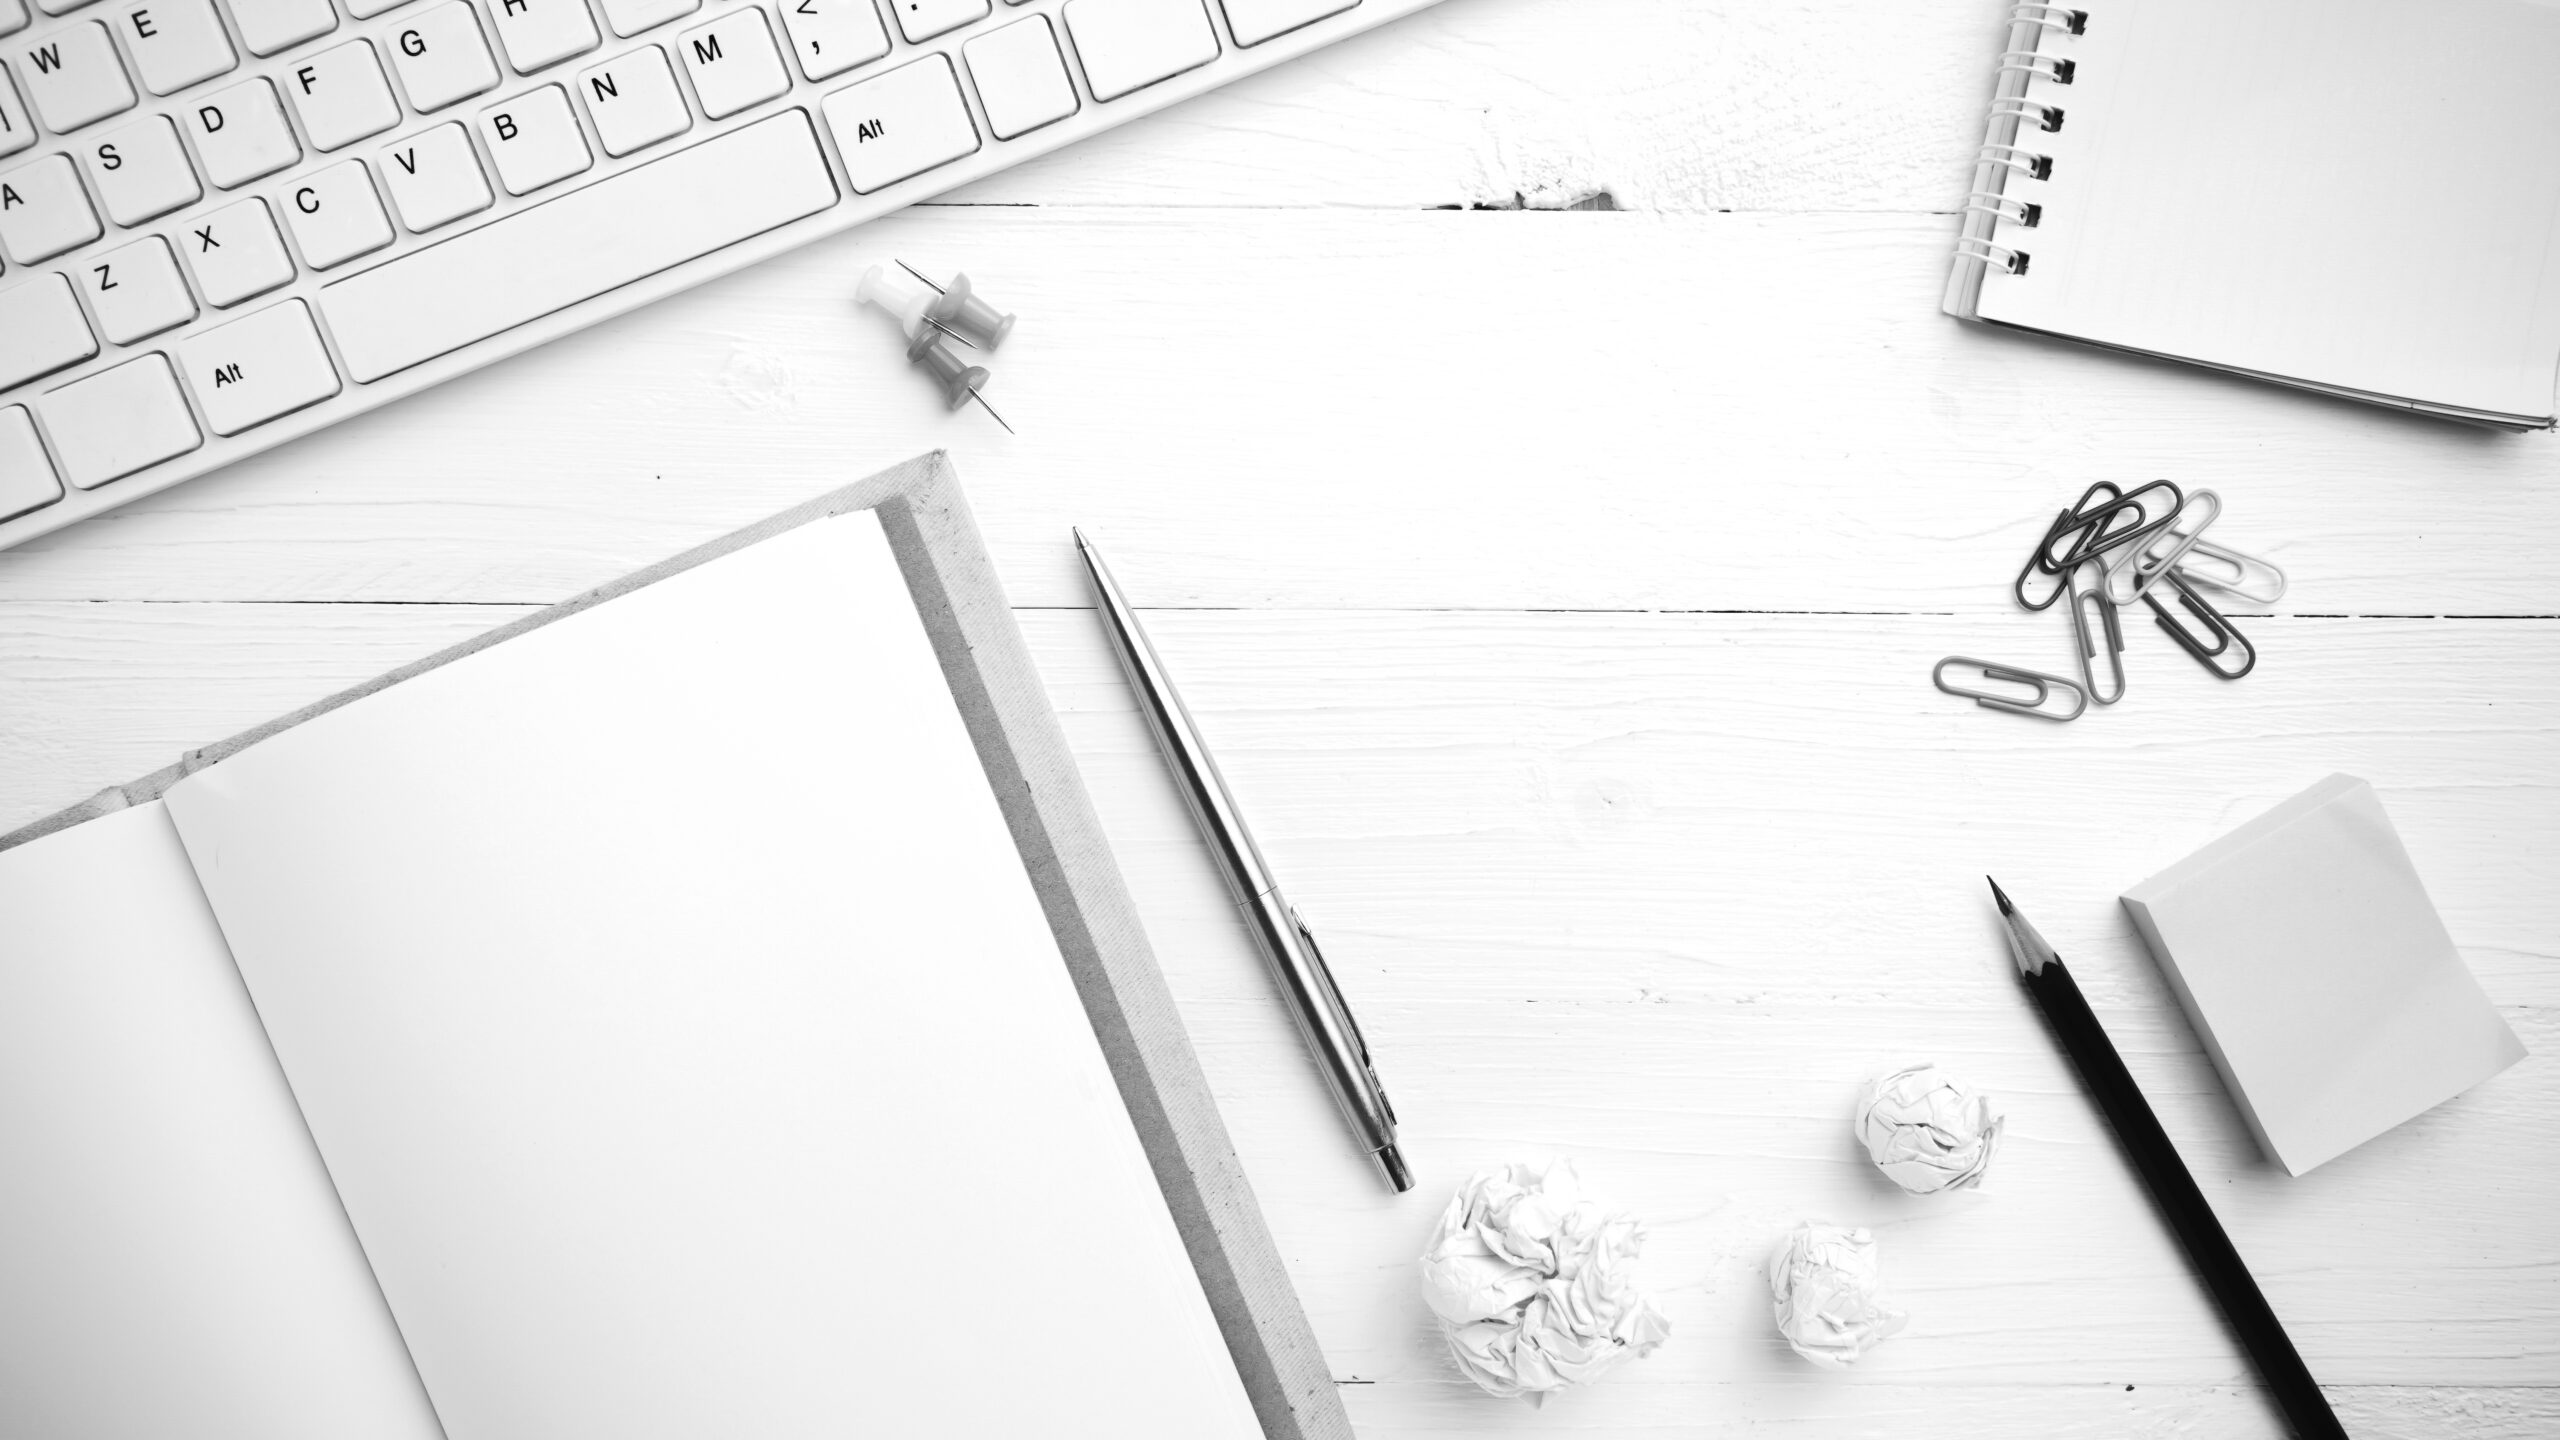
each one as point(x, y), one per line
point(1824, 1282)
point(1529, 1279)
point(1926, 1130)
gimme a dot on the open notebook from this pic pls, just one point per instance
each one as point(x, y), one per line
point(2355, 196)
point(653, 1024)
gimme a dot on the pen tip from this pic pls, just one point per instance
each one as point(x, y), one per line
point(1078, 532)
point(2005, 907)
point(1391, 1160)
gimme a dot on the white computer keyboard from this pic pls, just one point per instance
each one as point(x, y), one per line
point(225, 223)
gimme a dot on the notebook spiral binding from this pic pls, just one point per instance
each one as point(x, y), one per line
point(2012, 117)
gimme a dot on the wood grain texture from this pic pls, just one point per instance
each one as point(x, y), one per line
point(1779, 419)
point(1596, 894)
point(1559, 589)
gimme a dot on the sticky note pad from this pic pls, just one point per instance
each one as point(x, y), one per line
point(2310, 959)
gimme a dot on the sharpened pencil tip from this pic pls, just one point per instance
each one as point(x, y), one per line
point(1078, 532)
point(2005, 907)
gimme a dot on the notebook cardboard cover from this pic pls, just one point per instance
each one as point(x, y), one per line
point(1006, 709)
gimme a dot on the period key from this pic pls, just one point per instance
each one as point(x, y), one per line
point(257, 368)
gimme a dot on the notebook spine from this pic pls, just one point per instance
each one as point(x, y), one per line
point(2010, 154)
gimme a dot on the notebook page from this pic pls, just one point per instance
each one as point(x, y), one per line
point(2363, 194)
point(676, 1015)
point(172, 1258)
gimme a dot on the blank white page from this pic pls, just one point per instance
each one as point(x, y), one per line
point(172, 1259)
point(670, 1002)
point(2363, 194)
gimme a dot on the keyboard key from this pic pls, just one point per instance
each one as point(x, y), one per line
point(240, 133)
point(367, 9)
point(118, 421)
point(733, 63)
point(1022, 80)
point(41, 329)
point(833, 36)
point(900, 124)
point(258, 367)
point(59, 7)
point(17, 130)
point(43, 211)
point(536, 33)
point(630, 17)
point(335, 217)
point(1130, 44)
point(72, 76)
point(442, 58)
point(634, 102)
point(175, 43)
point(267, 26)
point(26, 478)
point(1255, 21)
point(535, 140)
point(135, 291)
point(141, 170)
point(13, 16)
point(341, 96)
point(435, 178)
point(553, 255)
point(236, 253)
point(924, 19)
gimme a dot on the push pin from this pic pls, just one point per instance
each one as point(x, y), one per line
point(962, 314)
point(959, 379)
point(907, 302)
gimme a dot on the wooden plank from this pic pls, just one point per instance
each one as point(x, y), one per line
point(1662, 105)
point(1658, 891)
point(1830, 1407)
point(1418, 409)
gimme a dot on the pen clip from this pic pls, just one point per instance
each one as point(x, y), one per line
point(1341, 1007)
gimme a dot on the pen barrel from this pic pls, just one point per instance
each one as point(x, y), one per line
point(1324, 1019)
point(2173, 1189)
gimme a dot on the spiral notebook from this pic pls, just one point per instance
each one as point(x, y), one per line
point(703, 1008)
point(2360, 197)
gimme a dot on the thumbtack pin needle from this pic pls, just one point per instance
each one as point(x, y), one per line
point(947, 330)
point(990, 409)
point(910, 269)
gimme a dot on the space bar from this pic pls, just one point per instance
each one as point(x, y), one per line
point(579, 246)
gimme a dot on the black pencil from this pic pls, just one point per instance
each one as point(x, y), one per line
point(2172, 1188)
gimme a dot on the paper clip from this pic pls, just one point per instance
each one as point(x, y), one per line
point(2102, 538)
point(2086, 598)
point(2243, 577)
point(2149, 562)
point(2073, 525)
point(2044, 686)
point(2224, 636)
point(2075, 530)
point(2037, 565)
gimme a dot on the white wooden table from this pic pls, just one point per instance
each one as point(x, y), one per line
point(1533, 433)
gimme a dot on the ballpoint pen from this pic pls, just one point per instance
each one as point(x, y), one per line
point(1287, 946)
point(2190, 1218)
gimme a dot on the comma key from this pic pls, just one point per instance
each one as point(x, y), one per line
point(257, 367)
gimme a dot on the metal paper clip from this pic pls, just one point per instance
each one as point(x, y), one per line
point(2103, 537)
point(2244, 577)
point(2045, 686)
point(2087, 598)
point(2073, 525)
point(2225, 637)
point(2074, 530)
point(2148, 563)
point(2037, 565)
